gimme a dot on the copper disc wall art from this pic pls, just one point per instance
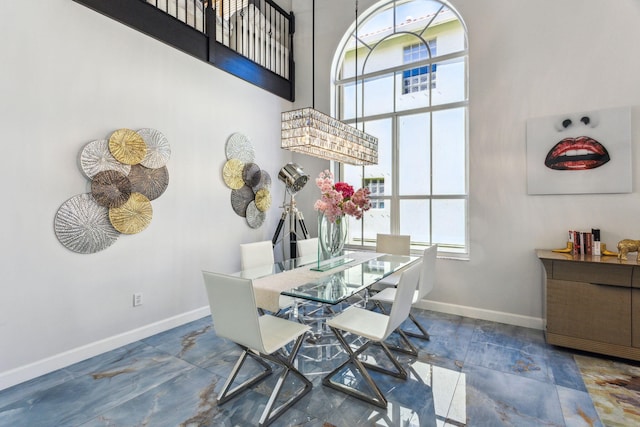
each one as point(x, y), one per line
point(83, 226)
point(158, 149)
point(96, 157)
point(150, 182)
point(132, 217)
point(127, 146)
point(127, 171)
point(110, 188)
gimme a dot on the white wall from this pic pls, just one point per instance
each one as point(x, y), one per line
point(527, 59)
point(70, 75)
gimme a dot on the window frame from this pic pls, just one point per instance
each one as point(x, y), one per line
point(339, 86)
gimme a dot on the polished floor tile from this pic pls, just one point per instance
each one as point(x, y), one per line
point(471, 373)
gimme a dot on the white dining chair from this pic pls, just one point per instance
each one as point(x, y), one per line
point(308, 248)
point(260, 254)
point(235, 317)
point(374, 327)
point(395, 244)
point(425, 285)
point(256, 254)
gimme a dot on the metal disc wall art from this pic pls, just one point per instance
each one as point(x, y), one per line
point(250, 195)
point(240, 199)
point(232, 173)
point(110, 189)
point(158, 149)
point(265, 181)
point(127, 171)
point(132, 217)
point(239, 147)
point(263, 199)
point(251, 174)
point(150, 182)
point(255, 217)
point(127, 146)
point(83, 226)
point(96, 157)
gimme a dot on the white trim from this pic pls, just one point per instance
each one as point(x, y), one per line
point(61, 360)
point(478, 313)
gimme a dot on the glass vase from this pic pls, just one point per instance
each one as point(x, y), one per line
point(332, 235)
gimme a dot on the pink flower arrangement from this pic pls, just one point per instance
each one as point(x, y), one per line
point(340, 199)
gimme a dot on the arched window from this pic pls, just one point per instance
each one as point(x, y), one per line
point(401, 74)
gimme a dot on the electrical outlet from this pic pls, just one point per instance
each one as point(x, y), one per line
point(137, 299)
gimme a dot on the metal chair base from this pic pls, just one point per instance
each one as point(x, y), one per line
point(377, 398)
point(270, 413)
point(423, 333)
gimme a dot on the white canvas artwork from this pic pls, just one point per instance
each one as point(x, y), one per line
point(578, 153)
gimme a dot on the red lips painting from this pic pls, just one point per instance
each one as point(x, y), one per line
point(579, 153)
point(583, 152)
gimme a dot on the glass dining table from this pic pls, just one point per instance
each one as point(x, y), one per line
point(329, 282)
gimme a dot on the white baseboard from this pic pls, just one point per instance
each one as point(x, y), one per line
point(58, 361)
point(478, 313)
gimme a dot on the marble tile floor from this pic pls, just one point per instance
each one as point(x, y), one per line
point(471, 373)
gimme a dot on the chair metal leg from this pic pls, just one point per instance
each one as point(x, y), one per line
point(270, 414)
point(377, 398)
point(228, 393)
point(423, 332)
point(286, 361)
point(423, 335)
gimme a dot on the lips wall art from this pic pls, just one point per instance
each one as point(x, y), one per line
point(578, 153)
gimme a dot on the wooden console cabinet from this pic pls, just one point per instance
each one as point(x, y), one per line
point(592, 303)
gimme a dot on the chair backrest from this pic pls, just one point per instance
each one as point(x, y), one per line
point(308, 247)
point(233, 309)
point(428, 273)
point(258, 254)
point(396, 244)
point(404, 297)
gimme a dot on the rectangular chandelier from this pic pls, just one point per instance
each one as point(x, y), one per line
point(311, 132)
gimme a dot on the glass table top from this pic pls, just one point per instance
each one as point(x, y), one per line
point(334, 287)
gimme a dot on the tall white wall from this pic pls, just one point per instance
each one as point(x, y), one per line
point(70, 75)
point(526, 59)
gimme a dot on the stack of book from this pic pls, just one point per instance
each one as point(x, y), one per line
point(584, 242)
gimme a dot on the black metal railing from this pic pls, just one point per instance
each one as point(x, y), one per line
point(257, 29)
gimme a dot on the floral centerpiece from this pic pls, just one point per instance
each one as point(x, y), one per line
point(340, 199)
point(337, 200)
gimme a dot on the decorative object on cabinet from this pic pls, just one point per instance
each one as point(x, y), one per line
point(566, 250)
point(628, 245)
point(577, 153)
point(127, 171)
point(250, 186)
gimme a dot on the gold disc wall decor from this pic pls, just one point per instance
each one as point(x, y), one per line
point(127, 146)
point(232, 174)
point(132, 217)
point(110, 188)
point(149, 182)
point(263, 199)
